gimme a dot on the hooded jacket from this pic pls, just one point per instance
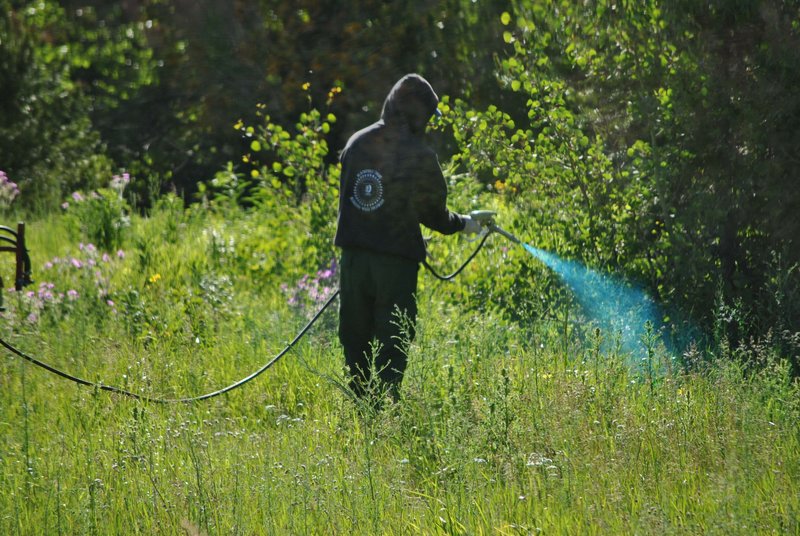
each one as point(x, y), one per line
point(391, 181)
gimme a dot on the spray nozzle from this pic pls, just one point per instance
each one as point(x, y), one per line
point(499, 230)
point(486, 219)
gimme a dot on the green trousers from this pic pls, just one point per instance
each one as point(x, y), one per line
point(377, 311)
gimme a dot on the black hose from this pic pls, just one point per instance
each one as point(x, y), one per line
point(145, 398)
point(461, 268)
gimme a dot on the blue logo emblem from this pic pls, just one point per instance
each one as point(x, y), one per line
point(368, 191)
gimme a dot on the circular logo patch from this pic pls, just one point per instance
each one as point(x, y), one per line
point(368, 191)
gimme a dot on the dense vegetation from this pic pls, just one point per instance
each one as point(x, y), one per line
point(176, 165)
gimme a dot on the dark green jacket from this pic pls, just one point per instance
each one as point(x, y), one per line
point(391, 181)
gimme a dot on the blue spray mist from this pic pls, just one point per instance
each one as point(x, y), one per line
point(617, 307)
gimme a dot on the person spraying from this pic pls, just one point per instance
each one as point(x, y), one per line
point(391, 182)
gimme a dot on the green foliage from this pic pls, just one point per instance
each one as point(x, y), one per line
point(46, 138)
point(160, 81)
point(58, 68)
point(290, 184)
point(622, 148)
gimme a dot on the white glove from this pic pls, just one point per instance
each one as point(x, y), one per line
point(470, 226)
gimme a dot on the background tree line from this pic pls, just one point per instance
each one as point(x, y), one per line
point(655, 139)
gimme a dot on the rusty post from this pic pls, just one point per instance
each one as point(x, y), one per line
point(20, 251)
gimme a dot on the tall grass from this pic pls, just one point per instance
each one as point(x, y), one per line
point(502, 428)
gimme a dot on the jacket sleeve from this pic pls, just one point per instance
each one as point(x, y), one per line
point(431, 198)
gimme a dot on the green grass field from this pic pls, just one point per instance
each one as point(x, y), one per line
point(502, 429)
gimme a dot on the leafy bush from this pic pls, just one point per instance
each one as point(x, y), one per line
point(291, 183)
point(599, 156)
point(46, 136)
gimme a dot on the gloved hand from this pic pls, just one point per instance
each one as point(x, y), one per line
point(471, 226)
